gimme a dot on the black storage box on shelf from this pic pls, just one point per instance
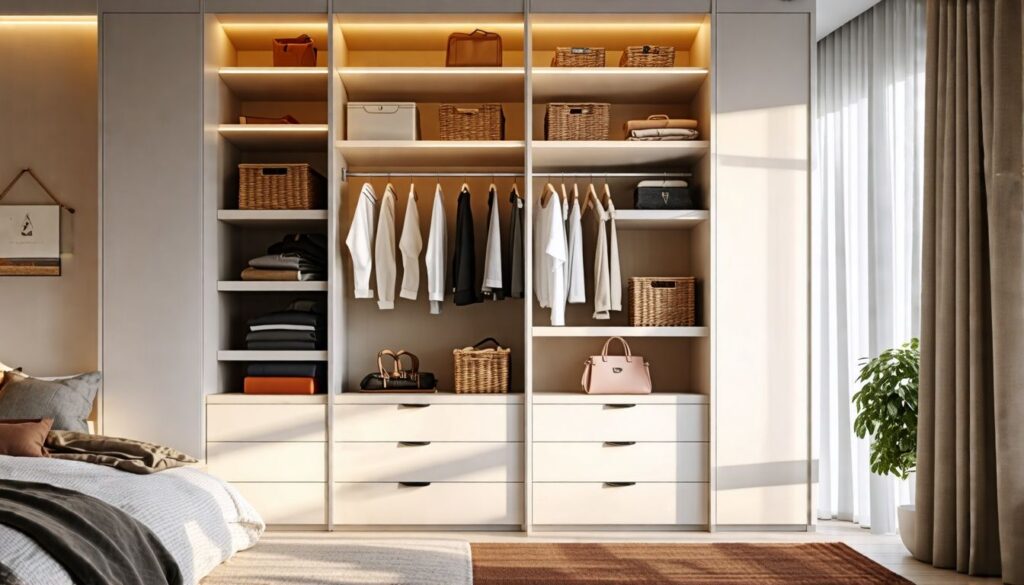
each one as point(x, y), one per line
point(664, 195)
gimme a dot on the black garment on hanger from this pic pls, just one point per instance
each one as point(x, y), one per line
point(513, 272)
point(464, 264)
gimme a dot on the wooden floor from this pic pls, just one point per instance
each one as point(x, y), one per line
point(886, 550)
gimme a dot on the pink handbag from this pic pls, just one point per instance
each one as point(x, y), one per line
point(616, 374)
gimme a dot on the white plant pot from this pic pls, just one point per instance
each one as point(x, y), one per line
point(908, 526)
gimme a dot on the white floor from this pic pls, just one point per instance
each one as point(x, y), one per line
point(885, 550)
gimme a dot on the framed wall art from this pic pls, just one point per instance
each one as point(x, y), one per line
point(30, 235)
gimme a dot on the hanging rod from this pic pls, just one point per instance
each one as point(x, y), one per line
point(612, 175)
point(346, 174)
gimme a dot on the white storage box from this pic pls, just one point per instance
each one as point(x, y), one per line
point(382, 121)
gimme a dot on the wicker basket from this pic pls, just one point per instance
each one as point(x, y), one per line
point(648, 56)
point(576, 122)
point(482, 370)
point(486, 122)
point(287, 186)
point(578, 57)
point(662, 301)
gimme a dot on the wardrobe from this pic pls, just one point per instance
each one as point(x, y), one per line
point(723, 441)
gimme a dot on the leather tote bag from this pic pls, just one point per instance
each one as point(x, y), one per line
point(295, 52)
point(398, 379)
point(476, 49)
point(616, 374)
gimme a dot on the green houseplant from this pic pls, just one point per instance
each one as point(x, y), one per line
point(887, 412)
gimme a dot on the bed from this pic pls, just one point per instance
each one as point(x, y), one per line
point(199, 519)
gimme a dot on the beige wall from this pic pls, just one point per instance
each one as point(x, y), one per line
point(48, 121)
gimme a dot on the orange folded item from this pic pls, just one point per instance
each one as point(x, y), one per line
point(255, 385)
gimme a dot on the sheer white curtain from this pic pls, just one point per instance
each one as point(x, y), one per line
point(867, 232)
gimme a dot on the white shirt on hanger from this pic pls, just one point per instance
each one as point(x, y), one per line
point(384, 251)
point(492, 253)
point(411, 244)
point(360, 242)
point(614, 270)
point(437, 253)
point(602, 278)
point(552, 259)
point(577, 288)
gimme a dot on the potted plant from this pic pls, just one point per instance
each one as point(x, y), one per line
point(887, 412)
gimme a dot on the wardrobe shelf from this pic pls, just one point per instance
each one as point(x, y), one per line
point(242, 398)
point(271, 286)
point(276, 137)
point(275, 218)
point(397, 155)
point(656, 397)
point(547, 331)
point(242, 355)
point(656, 219)
point(276, 83)
point(618, 85)
point(433, 84)
point(614, 154)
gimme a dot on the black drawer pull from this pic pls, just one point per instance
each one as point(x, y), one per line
point(619, 483)
point(414, 443)
point(619, 405)
point(619, 443)
point(413, 405)
point(414, 483)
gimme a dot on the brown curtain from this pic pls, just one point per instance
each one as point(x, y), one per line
point(970, 478)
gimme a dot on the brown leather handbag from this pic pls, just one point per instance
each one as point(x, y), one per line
point(476, 49)
point(295, 52)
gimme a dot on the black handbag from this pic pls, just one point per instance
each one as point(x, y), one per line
point(663, 195)
point(398, 379)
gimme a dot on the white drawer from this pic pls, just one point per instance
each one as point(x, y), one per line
point(428, 422)
point(433, 504)
point(640, 504)
point(664, 462)
point(292, 462)
point(266, 422)
point(408, 461)
point(620, 422)
point(287, 503)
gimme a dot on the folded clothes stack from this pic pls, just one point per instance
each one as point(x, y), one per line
point(296, 257)
point(300, 326)
point(654, 134)
point(283, 378)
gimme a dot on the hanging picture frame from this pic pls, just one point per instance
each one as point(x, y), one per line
point(30, 235)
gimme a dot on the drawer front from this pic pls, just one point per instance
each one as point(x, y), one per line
point(434, 504)
point(600, 462)
point(391, 462)
point(287, 503)
point(432, 422)
point(255, 462)
point(266, 422)
point(620, 422)
point(639, 504)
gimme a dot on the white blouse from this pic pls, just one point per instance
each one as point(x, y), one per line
point(492, 254)
point(602, 277)
point(384, 251)
point(360, 242)
point(614, 269)
point(437, 253)
point(552, 256)
point(411, 244)
point(577, 289)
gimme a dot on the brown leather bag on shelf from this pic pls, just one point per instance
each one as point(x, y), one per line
point(476, 49)
point(295, 52)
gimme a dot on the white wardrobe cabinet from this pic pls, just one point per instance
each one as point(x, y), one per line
point(151, 228)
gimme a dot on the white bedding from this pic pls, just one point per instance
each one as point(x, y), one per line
point(201, 520)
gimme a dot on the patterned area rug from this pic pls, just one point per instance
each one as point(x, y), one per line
point(676, 564)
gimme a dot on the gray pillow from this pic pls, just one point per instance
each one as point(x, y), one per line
point(68, 401)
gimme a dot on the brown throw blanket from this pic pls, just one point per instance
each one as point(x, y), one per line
point(96, 543)
point(125, 454)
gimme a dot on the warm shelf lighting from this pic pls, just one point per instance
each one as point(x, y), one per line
point(321, 71)
point(47, 20)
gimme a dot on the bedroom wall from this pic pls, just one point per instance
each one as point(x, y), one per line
point(48, 121)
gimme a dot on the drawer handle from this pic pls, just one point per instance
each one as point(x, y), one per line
point(414, 483)
point(619, 405)
point(413, 405)
point(414, 443)
point(619, 483)
point(619, 443)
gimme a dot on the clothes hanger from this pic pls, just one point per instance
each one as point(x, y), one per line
point(591, 200)
point(548, 190)
point(412, 192)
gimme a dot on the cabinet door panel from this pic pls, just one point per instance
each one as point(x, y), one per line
point(762, 309)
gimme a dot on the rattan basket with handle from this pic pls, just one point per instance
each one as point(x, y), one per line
point(482, 370)
point(656, 301)
point(483, 122)
point(578, 57)
point(577, 122)
point(283, 186)
point(648, 56)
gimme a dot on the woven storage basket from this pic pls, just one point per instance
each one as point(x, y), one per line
point(486, 122)
point(662, 301)
point(482, 370)
point(578, 57)
point(287, 186)
point(576, 122)
point(648, 56)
